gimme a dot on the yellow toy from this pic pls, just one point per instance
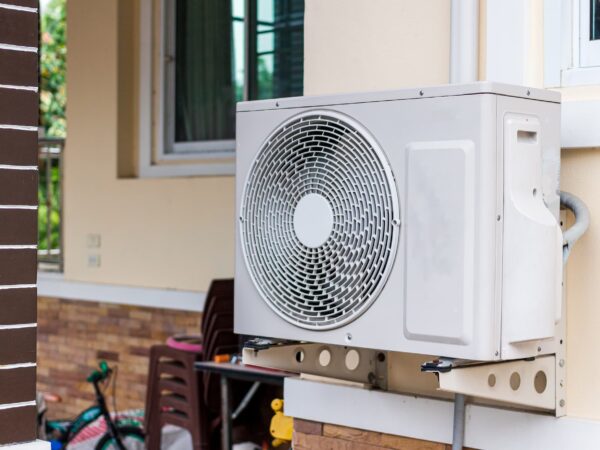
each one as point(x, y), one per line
point(282, 426)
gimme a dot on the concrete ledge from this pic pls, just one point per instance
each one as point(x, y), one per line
point(54, 285)
point(431, 419)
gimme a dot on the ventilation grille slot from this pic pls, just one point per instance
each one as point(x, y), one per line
point(331, 284)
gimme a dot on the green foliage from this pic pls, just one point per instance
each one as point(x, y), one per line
point(53, 96)
point(49, 176)
point(52, 116)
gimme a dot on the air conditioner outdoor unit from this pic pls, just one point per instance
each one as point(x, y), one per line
point(422, 221)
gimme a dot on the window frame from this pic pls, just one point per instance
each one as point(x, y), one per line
point(208, 158)
point(589, 51)
point(562, 69)
point(172, 150)
point(571, 59)
point(156, 116)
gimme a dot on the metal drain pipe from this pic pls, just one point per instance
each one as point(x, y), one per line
point(464, 68)
point(458, 429)
point(464, 41)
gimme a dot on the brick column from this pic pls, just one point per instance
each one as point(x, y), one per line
point(18, 218)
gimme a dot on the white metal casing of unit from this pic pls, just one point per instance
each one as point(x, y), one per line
point(474, 269)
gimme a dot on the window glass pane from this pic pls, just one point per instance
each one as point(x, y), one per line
point(239, 48)
point(594, 20)
point(279, 62)
point(264, 70)
point(209, 75)
point(209, 68)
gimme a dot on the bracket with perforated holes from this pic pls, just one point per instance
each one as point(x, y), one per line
point(359, 365)
point(523, 382)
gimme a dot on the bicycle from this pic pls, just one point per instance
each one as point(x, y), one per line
point(121, 434)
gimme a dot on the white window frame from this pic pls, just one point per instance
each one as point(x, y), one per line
point(180, 150)
point(154, 159)
point(563, 68)
point(589, 51)
point(571, 59)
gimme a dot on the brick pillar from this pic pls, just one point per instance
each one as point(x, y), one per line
point(18, 218)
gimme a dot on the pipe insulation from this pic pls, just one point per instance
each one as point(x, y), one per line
point(582, 221)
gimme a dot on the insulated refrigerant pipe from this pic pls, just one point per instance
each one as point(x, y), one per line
point(582, 221)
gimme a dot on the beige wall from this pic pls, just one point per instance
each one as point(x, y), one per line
point(580, 175)
point(363, 45)
point(580, 169)
point(178, 233)
point(168, 233)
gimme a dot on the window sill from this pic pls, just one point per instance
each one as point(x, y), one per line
point(55, 285)
point(187, 170)
point(580, 76)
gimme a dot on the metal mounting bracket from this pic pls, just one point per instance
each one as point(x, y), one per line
point(340, 363)
point(529, 383)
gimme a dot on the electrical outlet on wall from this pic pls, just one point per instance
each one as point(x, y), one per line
point(93, 240)
point(93, 260)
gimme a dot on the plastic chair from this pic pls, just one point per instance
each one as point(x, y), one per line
point(176, 393)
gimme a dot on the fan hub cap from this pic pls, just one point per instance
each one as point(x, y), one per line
point(313, 220)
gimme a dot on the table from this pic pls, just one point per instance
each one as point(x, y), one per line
point(240, 372)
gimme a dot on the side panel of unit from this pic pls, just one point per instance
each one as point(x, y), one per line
point(532, 240)
point(439, 227)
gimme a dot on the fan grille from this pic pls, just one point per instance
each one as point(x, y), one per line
point(329, 285)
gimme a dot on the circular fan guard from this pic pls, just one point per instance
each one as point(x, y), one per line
point(323, 287)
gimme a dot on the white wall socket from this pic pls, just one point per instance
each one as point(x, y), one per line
point(94, 260)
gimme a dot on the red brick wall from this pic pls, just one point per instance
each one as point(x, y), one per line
point(318, 436)
point(74, 335)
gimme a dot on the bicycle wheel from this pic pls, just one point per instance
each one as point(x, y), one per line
point(131, 437)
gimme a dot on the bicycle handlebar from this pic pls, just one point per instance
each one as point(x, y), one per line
point(100, 375)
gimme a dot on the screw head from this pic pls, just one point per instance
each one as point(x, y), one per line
point(498, 217)
point(562, 403)
point(348, 337)
point(561, 363)
point(528, 92)
point(539, 349)
point(421, 93)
